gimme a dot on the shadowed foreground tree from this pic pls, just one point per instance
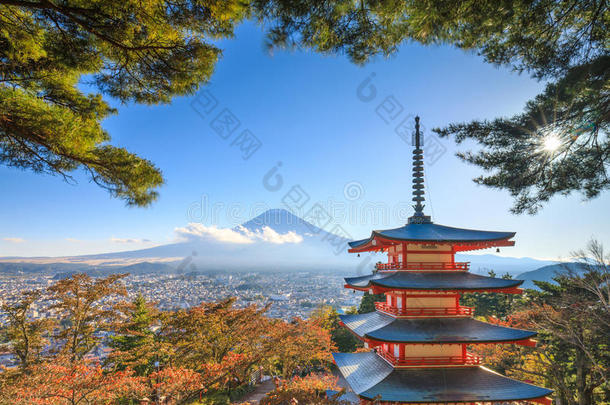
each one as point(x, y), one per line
point(559, 144)
point(572, 318)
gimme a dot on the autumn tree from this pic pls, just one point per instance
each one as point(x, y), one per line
point(85, 304)
point(24, 336)
point(300, 346)
point(175, 385)
point(64, 381)
point(577, 319)
point(221, 341)
point(310, 389)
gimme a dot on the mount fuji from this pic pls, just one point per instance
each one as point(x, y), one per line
point(276, 240)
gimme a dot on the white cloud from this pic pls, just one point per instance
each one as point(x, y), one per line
point(270, 235)
point(240, 235)
point(128, 240)
point(73, 240)
point(14, 240)
point(195, 230)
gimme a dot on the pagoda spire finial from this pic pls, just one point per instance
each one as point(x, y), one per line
point(418, 178)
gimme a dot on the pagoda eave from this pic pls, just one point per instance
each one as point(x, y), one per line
point(513, 290)
point(381, 328)
point(522, 342)
point(425, 282)
point(375, 289)
point(462, 247)
point(373, 378)
point(372, 343)
point(429, 233)
point(458, 246)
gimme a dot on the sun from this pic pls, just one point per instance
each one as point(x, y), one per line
point(551, 142)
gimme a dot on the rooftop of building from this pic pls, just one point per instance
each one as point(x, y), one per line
point(385, 328)
point(371, 377)
point(439, 281)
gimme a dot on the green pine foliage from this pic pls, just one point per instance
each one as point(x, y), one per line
point(151, 52)
point(328, 318)
point(133, 343)
point(564, 42)
point(574, 325)
point(367, 303)
point(491, 304)
point(143, 52)
point(558, 145)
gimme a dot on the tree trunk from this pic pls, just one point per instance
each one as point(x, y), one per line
point(581, 378)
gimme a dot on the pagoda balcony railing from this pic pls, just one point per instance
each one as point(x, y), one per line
point(468, 360)
point(423, 266)
point(434, 311)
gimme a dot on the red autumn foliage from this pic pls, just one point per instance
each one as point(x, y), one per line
point(305, 390)
point(61, 381)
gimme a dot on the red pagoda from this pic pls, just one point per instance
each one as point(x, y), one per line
point(420, 335)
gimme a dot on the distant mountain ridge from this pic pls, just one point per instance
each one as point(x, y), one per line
point(481, 264)
point(282, 221)
point(315, 250)
point(547, 273)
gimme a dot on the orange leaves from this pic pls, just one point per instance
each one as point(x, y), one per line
point(174, 385)
point(301, 343)
point(79, 299)
point(73, 383)
point(312, 383)
point(62, 382)
point(170, 356)
point(215, 337)
point(306, 390)
point(26, 337)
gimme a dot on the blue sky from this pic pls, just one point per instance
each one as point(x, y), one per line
point(305, 110)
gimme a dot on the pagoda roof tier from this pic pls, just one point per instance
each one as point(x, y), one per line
point(441, 281)
point(347, 397)
point(372, 377)
point(461, 239)
point(384, 328)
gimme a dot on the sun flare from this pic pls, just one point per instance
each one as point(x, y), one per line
point(551, 143)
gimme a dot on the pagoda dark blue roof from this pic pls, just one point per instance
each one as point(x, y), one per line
point(430, 232)
point(348, 397)
point(371, 377)
point(440, 280)
point(384, 328)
